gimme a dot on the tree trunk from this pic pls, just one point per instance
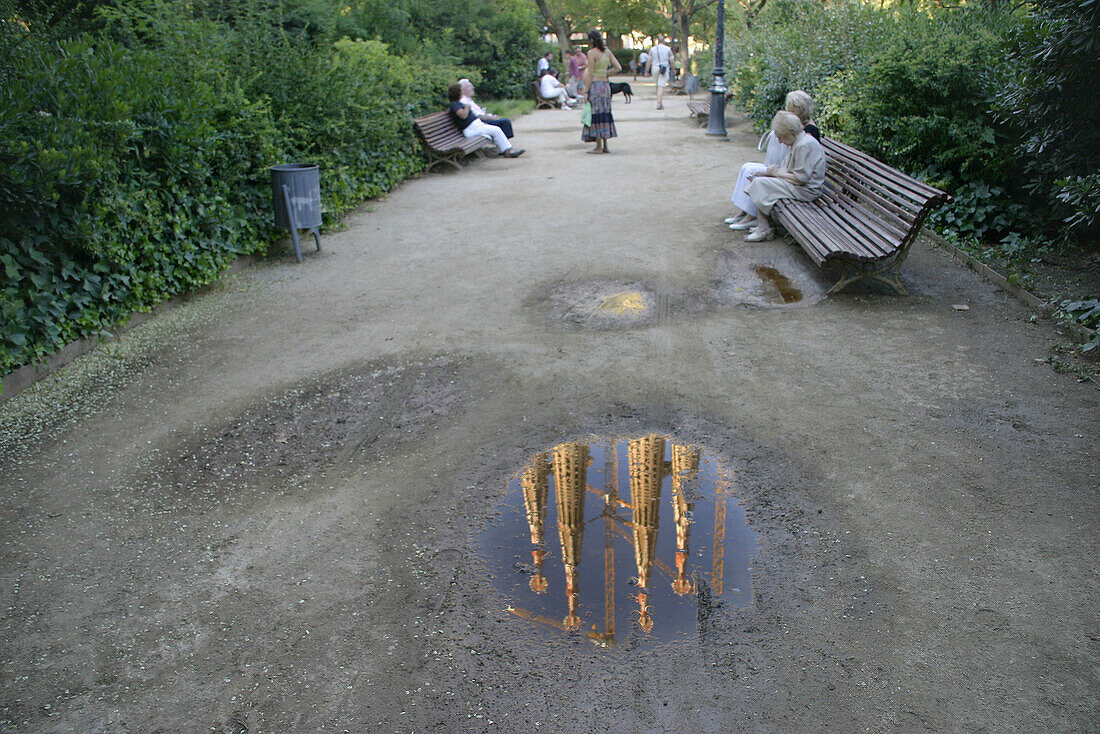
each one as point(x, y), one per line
point(685, 54)
point(560, 28)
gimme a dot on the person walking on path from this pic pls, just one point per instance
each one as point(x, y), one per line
point(660, 67)
point(600, 60)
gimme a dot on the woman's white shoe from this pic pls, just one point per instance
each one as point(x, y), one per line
point(760, 235)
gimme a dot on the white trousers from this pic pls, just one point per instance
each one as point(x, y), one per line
point(740, 197)
point(562, 95)
point(494, 133)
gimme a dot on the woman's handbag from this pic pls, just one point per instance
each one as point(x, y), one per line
point(586, 114)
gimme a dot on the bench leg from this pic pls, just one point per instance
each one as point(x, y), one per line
point(433, 160)
point(852, 273)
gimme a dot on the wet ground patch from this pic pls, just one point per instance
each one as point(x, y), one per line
point(620, 541)
point(766, 275)
point(280, 442)
point(601, 304)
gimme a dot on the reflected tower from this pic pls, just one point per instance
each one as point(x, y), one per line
point(647, 470)
point(570, 473)
point(685, 474)
point(535, 484)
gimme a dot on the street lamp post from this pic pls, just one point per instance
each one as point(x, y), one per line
point(716, 123)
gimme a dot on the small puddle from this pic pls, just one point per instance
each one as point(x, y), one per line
point(624, 303)
point(782, 284)
point(621, 541)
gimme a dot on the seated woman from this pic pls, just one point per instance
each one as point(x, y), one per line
point(551, 88)
point(802, 175)
point(471, 127)
point(801, 104)
point(468, 99)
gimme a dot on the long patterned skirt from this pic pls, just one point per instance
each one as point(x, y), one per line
point(603, 124)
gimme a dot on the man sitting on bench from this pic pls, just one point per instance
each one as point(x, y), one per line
point(468, 99)
point(552, 89)
point(470, 126)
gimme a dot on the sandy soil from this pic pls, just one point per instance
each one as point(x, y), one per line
point(256, 512)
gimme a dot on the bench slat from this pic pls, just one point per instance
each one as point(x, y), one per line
point(867, 218)
point(873, 168)
point(443, 140)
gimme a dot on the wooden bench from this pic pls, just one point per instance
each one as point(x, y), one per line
point(700, 110)
point(865, 222)
point(444, 142)
point(542, 103)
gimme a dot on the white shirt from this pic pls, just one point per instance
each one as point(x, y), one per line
point(548, 86)
point(643, 57)
point(474, 106)
point(660, 54)
point(543, 64)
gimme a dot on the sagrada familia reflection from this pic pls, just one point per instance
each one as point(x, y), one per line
point(568, 465)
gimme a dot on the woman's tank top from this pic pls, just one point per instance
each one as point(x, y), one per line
point(599, 69)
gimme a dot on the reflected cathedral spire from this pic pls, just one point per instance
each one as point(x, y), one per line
point(535, 484)
point(685, 475)
point(647, 470)
point(570, 473)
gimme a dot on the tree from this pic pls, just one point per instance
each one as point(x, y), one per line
point(566, 17)
point(682, 13)
point(1050, 98)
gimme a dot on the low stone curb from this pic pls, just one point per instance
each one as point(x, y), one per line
point(26, 376)
point(1081, 333)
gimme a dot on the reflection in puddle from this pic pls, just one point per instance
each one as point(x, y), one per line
point(652, 585)
point(621, 303)
point(783, 285)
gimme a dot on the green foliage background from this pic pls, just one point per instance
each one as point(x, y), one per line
point(989, 101)
point(136, 136)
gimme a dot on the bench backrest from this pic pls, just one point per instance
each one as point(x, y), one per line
point(898, 200)
point(439, 129)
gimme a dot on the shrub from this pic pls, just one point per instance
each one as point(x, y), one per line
point(1050, 100)
point(910, 87)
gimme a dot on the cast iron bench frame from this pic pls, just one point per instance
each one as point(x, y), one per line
point(866, 220)
point(444, 142)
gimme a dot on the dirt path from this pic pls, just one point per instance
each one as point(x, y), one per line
point(257, 511)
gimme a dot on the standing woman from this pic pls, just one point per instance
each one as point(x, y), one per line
point(599, 93)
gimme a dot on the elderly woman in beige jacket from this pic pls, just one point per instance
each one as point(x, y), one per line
point(801, 175)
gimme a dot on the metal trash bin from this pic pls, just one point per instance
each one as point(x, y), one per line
point(296, 196)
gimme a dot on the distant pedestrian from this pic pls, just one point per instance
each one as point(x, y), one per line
point(577, 64)
point(600, 61)
point(660, 68)
point(544, 64)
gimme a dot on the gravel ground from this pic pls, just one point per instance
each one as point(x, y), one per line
point(257, 511)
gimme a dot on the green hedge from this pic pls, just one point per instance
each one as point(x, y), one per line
point(135, 169)
point(911, 86)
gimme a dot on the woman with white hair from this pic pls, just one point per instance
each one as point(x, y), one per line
point(467, 122)
point(797, 102)
point(467, 98)
point(802, 175)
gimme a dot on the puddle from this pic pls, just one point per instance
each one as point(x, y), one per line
point(621, 541)
point(782, 285)
point(602, 304)
point(623, 303)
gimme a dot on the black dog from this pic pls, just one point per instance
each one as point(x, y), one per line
point(623, 87)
